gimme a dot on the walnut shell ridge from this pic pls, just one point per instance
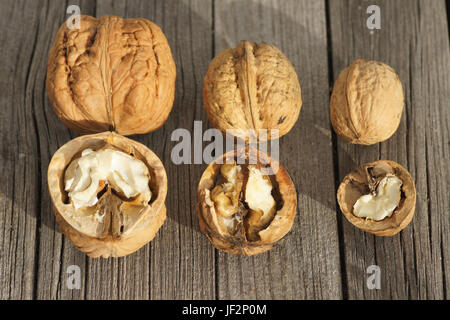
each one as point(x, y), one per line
point(238, 243)
point(355, 185)
point(111, 74)
point(253, 86)
point(122, 231)
point(367, 102)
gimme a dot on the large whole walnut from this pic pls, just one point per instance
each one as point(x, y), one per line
point(111, 74)
point(253, 86)
point(108, 193)
point(367, 102)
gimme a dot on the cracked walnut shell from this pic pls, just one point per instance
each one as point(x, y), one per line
point(251, 87)
point(367, 102)
point(241, 208)
point(366, 181)
point(115, 225)
point(111, 74)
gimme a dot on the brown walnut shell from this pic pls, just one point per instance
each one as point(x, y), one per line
point(357, 184)
point(366, 103)
point(111, 74)
point(238, 242)
point(253, 86)
point(126, 226)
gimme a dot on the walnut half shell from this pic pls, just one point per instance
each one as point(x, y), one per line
point(364, 181)
point(231, 222)
point(252, 87)
point(126, 224)
point(111, 74)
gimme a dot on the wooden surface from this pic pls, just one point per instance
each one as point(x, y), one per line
point(324, 256)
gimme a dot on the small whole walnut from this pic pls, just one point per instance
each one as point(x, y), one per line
point(379, 197)
point(108, 193)
point(252, 87)
point(111, 74)
point(367, 102)
point(243, 209)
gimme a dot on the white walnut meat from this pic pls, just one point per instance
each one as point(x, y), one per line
point(367, 102)
point(241, 208)
point(252, 87)
point(111, 74)
point(121, 214)
point(88, 175)
point(383, 192)
point(382, 201)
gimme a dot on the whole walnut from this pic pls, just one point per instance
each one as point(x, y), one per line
point(111, 74)
point(253, 86)
point(367, 102)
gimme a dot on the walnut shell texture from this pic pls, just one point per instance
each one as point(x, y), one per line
point(367, 102)
point(356, 184)
point(111, 74)
point(238, 242)
point(253, 86)
point(126, 227)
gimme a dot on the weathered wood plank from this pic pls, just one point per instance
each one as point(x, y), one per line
point(179, 263)
point(306, 265)
point(413, 39)
point(20, 164)
point(118, 278)
point(56, 252)
point(183, 262)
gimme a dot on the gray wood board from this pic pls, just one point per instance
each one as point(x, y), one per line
point(413, 39)
point(323, 256)
point(306, 264)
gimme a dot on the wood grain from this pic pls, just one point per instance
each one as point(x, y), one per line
point(323, 257)
point(306, 264)
point(413, 39)
point(56, 252)
point(20, 153)
point(179, 262)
